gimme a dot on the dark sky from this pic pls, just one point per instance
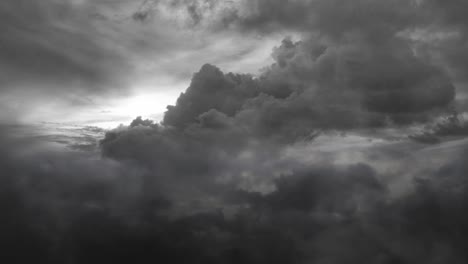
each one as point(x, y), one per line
point(296, 131)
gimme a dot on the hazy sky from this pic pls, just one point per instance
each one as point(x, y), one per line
point(100, 58)
point(253, 131)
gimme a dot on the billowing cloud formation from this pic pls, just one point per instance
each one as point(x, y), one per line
point(233, 131)
point(338, 87)
point(306, 163)
point(233, 142)
point(363, 53)
point(350, 73)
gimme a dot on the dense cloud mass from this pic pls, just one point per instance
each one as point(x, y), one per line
point(101, 211)
point(323, 157)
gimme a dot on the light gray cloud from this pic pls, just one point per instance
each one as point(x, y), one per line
point(55, 44)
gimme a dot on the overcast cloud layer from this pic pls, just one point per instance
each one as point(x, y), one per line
point(348, 145)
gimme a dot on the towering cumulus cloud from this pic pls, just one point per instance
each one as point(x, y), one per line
point(319, 158)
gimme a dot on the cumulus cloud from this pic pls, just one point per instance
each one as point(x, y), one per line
point(340, 88)
point(226, 144)
point(223, 150)
point(317, 84)
point(307, 162)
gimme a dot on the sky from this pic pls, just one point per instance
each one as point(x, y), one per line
point(243, 131)
point(95, 59)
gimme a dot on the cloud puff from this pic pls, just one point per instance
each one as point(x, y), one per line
point(211, 89)
point(315, 86)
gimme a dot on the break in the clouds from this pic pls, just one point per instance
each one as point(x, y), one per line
point(345, 143)
point(85, 56)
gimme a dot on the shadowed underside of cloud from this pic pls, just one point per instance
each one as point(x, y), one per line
point(101, 211)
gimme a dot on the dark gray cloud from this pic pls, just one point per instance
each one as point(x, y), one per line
point(225, 142)
point(329, 17)
point(211, 89)
point(351, 52)
point(433, 30)
point(306, 163)
point(341, 87)
point(332, 18)
point(223, 119)
point(103, 212)
point(330, 209)
point(196, 196)
point(452, 127)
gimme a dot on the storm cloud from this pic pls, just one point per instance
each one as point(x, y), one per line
point(102, 211)
point(319, 157)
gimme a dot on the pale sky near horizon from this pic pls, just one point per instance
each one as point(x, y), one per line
point(114, 67)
